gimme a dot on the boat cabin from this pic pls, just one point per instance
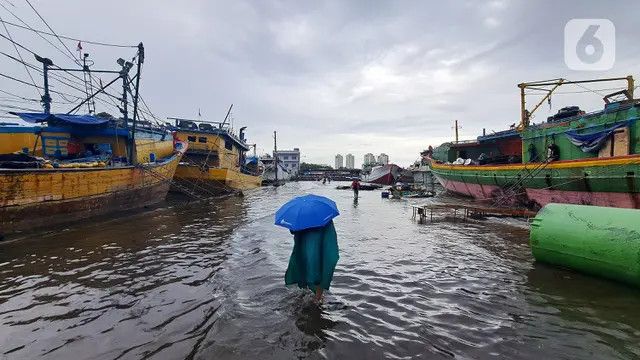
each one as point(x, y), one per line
point(64, 140)
point(498, 148)
point(212, 144)
point(612, 131)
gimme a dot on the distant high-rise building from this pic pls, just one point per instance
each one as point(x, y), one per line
point(369, 159)
point(351, 161)
point(383, 159)
point(339, 163)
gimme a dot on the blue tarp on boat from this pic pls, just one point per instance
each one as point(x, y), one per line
point(72, 119)
point(251, 160)
point(593, 141)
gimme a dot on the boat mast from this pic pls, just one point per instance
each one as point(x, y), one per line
point(124, 75)
point(46, 98)
point(226, 116)
point(88, 80)
point(135, 97)
point(525, 115)
point(456, 125)
point(275, 154)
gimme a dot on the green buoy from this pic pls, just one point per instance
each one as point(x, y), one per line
point(600, 241)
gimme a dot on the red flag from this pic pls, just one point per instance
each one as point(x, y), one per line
point(79, 46)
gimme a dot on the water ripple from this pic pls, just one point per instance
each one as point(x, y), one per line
point(206, 281)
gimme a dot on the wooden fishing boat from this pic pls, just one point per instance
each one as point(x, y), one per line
point(54, 184)
point(72, 167)
point(216, 161)
point(573, 157)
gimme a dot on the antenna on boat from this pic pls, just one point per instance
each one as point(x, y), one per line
point(226, 116)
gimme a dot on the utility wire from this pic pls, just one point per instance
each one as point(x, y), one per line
point(16, 96)
point(73, 56)
point(67, 72)
point(70, 54)
point(99, 43)
point(32, 29)
point(57, 37)
point(20, 81)
point(53, 76)
point(20, 56)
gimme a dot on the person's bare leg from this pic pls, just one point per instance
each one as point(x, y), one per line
point(319, 291)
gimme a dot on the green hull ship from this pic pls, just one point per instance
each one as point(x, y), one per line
point(574, 157)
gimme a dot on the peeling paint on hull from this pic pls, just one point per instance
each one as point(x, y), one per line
point(34, 198)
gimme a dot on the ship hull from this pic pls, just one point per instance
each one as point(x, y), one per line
point(609, 182)
point(215, 181)
point(34, 198)
point(384, 175)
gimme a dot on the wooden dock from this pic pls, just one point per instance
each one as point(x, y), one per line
point(421, 212)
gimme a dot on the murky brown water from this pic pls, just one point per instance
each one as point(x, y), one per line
point(207, 282)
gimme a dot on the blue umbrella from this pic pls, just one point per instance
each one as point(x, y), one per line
point(305, 212)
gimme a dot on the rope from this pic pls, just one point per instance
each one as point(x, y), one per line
point(541, 166)
point(202, 180)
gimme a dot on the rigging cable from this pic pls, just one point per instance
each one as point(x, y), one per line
point(20, 56)
point(54, 33)
point(59, 39)
point(27, 26)
point(99, 43)
point(54, 76)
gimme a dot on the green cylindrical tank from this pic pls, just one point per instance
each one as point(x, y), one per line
point(596, 240)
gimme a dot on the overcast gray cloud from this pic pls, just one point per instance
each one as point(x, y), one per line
point(339, 76)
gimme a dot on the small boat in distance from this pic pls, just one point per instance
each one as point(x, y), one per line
point(384, 175)
point(269, 177)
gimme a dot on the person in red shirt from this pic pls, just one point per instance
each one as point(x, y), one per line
point(355, 185)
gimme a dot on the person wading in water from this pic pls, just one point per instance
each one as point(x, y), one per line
point(315, 250)
point(355, 185)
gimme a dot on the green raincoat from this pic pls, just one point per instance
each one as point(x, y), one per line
point(314, 257)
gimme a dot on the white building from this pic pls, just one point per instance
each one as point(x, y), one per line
point(290, 159)
point(351, 161)
point(369, 159)
point(339, 163)
point(383, 159)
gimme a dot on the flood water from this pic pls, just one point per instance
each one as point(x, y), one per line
point(206, 282)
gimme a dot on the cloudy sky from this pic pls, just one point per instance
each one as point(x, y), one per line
point(336, 76)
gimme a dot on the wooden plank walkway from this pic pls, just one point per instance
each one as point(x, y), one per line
point(467, 210)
